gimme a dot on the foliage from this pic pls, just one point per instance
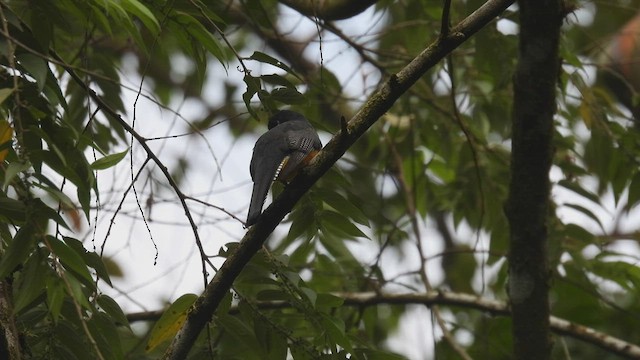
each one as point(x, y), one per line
point(415, 206)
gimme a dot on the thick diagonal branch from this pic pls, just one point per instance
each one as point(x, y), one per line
point(374, 108)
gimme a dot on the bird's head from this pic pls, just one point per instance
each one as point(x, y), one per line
point(283, 116)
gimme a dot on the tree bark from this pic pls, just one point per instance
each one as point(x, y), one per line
point(10, 342)
point(528, 203)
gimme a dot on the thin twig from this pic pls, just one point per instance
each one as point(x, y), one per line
point(446, 19)
point(215, 207)
point(143, 142)
point(122, 199)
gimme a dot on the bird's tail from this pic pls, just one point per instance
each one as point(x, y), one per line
point(260, 190)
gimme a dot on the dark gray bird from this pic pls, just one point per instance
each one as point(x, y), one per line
point(279, 154)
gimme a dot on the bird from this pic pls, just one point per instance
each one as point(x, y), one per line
point(279, 154)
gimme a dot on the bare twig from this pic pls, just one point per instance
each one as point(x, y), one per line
point(143, 142)
point(122, 199)
point(215, 207)
point(446, 19)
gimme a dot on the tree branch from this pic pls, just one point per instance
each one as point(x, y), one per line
point(529, 190)
point(433, 298)
point(329, 10)
point(374, 108)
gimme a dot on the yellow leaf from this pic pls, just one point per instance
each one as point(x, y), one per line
point(585, 113)
point(171, 321)
point(5, 93)
point(6, 135)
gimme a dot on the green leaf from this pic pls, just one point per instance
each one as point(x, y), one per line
point(108, 161)
point(273, 295)
point(624, 274)
point(53, 92)
point(55, 296)
point(143, 13)
point(276, 79)
point(43, 212)
point(4, 94)
point(67, 345)
point(302, 223)
point(301, 253)
point(442, 170)
point(12, 209)
point(337, 248)
point(267, 59)
point(577, 235)
point(576, 188)
point(588, 213)
point(288, 96)
point(21, 246)
point(310, 294)
point(106, 335)
point(13, 170)
point(225, 304)
point(340, 224)
point(92, 259)
point(171, 321)
point(273, 343)
point(36, 67)
point(253, 86)
point(70, 259)
point(243, 334)
point(343, 206)
point(373, 354)
point(95, 261)
point(76, 290)
point(328, 301)
point(32, 283)
point(84, 196)
point(57, 195)
point(201, 34)
point(335, 328)
point(634, 191)
point(112, 308)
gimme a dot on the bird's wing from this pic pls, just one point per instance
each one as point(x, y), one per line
point(300, 144)
point(268, 155)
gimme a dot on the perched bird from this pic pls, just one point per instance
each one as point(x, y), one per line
point(279, 154)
